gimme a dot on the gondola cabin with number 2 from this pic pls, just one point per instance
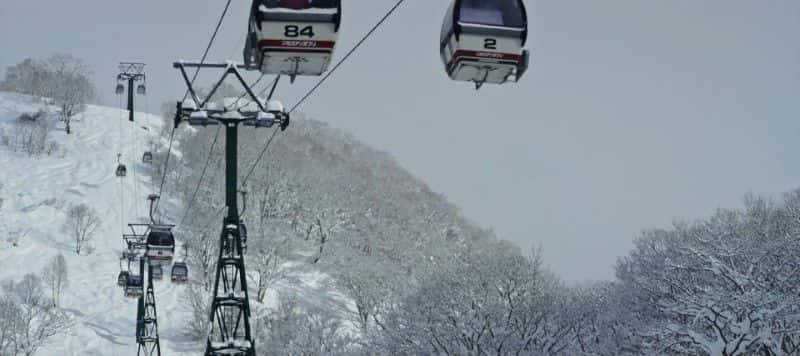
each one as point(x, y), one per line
point(483, 41)
point(292, 37)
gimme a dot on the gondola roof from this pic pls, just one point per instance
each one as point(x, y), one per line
point(160, 237)
point(317, 11)
point(300, 4)
point(488, 17)
point(500, 13)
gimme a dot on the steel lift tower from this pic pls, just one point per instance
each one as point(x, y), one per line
point(132, 73)
point(147, 317)
point(230, 332)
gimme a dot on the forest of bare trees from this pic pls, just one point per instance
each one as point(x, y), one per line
point(29, 315)
point(61, 79)
point(423, 280)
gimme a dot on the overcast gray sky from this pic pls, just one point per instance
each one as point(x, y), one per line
point(634, 114)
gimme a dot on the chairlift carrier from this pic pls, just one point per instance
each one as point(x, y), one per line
point(134, 287)
point(122, 278)
point(482, 41)
point(122, 171)
point(160, 244)
point(292, 37)
point(180, 272)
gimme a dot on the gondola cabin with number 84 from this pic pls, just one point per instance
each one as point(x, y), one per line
point(292, 37)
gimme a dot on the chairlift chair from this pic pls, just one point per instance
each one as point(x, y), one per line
point(147, 157)
point(122, 171)
point(160, 245)
point(122, 278)
point(141, 89)
point(292, 37)
point(120, 89)
point(483, 41)
point(134, 286)
point(180, 273)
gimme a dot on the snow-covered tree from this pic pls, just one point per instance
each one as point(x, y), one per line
point(70, 86)
point(604, 321)
point(60, 78)
point(202, 250)
point(29, 134)
point(498, 302)
point(31, 76)
point(81, 223)
point(722, 286)
point(294, 328)
point(372, 286)
point(29, 318)
point(198, 307)
point(10, 316)
point(56, 277)
point(266, 256)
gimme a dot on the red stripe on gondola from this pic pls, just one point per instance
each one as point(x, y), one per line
point(298, 44)
point(506, 58)
point(488, 55)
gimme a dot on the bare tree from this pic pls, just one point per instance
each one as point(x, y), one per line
point(31, 76)
point(294, 328)
point(10, 314)
point(15, 235)
point(33, 319)
point(29, 134)
point(495, 302)
point(266, 263)
point(81, 223)
point(56, 278)
point(721, 286)
point(61, 78)
point(71, 88)
point(202, 249)
point(266, 256)
point(197, 305)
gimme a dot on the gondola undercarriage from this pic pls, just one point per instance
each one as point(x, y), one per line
point(292, 42)
point(483, 58)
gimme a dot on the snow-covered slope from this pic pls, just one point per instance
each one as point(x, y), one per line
point(36, 193)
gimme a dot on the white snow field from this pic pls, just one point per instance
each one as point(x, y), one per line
point(35, 193)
